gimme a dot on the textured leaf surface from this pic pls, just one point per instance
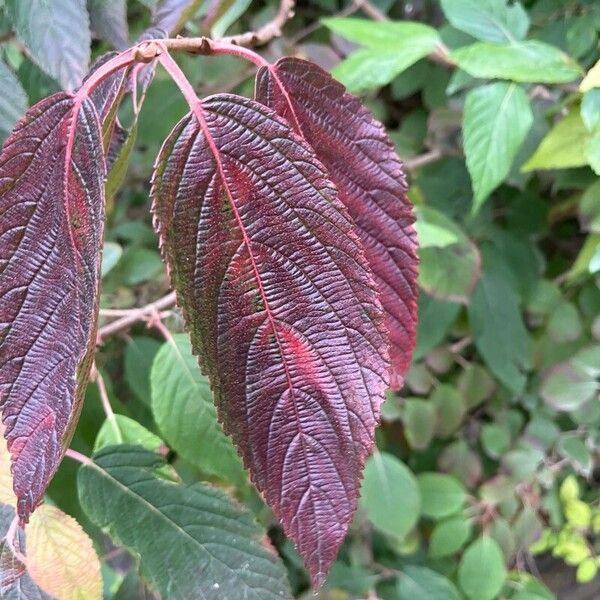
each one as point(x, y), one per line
point(192, 541)
point(60, 556)
point(496, 120)
point(529, 61)
point(184, 411)
point(13, 100)
point(390, 48)
point(281, 307)
point(362, 163)
point(108, 18)
point(51, 202)
point(490, 20)
point(57, 35)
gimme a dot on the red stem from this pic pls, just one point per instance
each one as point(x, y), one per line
point(240, 51)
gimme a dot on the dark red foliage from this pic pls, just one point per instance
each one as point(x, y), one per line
point(281, 307)
point(51, 202)
point(363, 164)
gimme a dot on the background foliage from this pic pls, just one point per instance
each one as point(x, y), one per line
point(485, 483)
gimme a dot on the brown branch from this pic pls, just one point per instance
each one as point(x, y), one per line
point(267, 32)
point(135, 315)
point(423, 159)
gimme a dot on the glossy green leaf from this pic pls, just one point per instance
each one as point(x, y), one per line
point(449, 536)
point(387, 484)
point(563, 147)
point(528, 61)
point(57, 36)
point(590, 109)
point(441, 495)
point(567, 386)
point(183, 409)
point(193, 542)
point(450, 407)
point(415, 583)
point(496, 120)
point(110, 256)
point(495, 439)
point(488, 20)
point(481, 571)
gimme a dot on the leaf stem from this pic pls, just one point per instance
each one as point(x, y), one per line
point(108, 411)
point(80, 458)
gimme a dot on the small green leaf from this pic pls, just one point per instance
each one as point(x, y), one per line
point(450, 407)
point(590, 109)
point(441, 495)
point(566, 386)
point(481, 571)
point(388, 482)
point(123, 430)
point(591, 79)
point(563, 147)
point(390, 48)
point(416, 583)
point(110, 256)
point(435, 229)
point(496, 120)
point(139, 356)
point(495, 439)
point(592, 152)
point(419, 422)
point(193, 542)
point(449, 536)
point(587, 570)
point(527, 62)
point(183, 409)
point(488, 20)
point(475, 384)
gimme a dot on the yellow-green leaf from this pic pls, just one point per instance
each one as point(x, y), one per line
point(563, 147)
point(60, 556)
point(592, 79)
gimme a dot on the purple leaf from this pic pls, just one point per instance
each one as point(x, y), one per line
point(363, 164)
point(171, 15)
point(51, 202)
point(281, 307)
point(108, 18)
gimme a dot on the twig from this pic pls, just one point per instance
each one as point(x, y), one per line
point(135, 315)
point(108, 411)
point(12, 540)
point(370, 10)
point(267, 32)
point(80, 458)
point(423, 159)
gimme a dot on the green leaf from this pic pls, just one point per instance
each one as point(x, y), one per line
point(449, 536)
point(388, 483)
point(527, 62)
point(589, 208)
point(591, 79)
point(488, 20)
point(434, 228)
point(576, 451)
point(587, 570)
point(183, 409)
point(139, 356)
point(495, 439)
point(592, 152)
point(497, 324)
point(449, 272)
point(419, 422)
point(496, 120)
point(450, 407)
point(123, 430)
point(481, 571)
point(590, 109)
point(563, 147)
point(110, 256)
point(475, 384)
point(13, 100)
point(390, 48)
point(567, 386)
point(564, 324)
point(236, 9)
point(441, 495)
point(118, 170)
point(435, 319)
point(57, 36)
point(192, 541)
point(420, 583)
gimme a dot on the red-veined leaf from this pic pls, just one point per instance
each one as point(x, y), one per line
point(363, 164)
point(51, 226)
point(281, 307)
